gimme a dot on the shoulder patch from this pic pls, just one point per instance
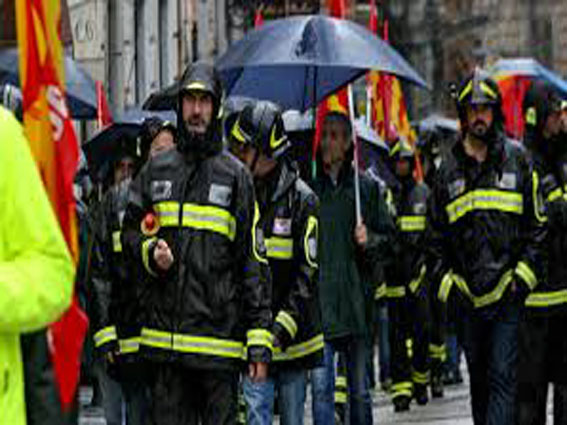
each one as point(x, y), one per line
point(161, 190)
point(507, 181)
point(220, 195)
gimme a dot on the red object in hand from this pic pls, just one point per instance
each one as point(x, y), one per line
point(150, 224)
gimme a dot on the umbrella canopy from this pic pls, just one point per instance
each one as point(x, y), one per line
point(80, 87)
point(527, 67)
point(112, 141)
point(368, 134)
point(299, 61)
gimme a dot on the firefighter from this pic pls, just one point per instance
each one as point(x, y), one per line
point(289, 221)
point(156, 136)
point(190, 234)
point(486, 227)
point(543, 342)
point(407, 292)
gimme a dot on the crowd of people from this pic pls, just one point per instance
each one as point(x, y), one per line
point(221, 282)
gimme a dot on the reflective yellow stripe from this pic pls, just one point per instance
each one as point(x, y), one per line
point(289, 324)
point(416, 283)
point(341, 382)
point(146, 255)
point(547, 299)
point(526, 274)
point(255, 221)
point(489, 199)
point(260, 337)
point(204, 345)
point(411, 223)
point(539, 210)
point(484, 300)
point(312, 227)
point(207, 217)
point(116, 242)
point(487, 90)
point(396, 291)
point(130, 345)
point(340, 397)
point(466, 91)
point(297, 351)
point(437, 352)
point(402, 389)
point(104, 336)
point(279, 248)
point(167, 213)
point(555, 195)
point(445, 287)
point(380, 291)
point(409, 347)
point(420, 377)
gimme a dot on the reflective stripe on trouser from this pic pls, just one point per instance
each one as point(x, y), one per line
point(438, 352)
point(421, 378)
point(341, 390)
point(400, 389)
point(203, 345)
point(116, 242)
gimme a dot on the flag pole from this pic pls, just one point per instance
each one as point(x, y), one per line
point(356, 162)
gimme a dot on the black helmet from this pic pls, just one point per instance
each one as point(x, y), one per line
point(151, 127)
point(540, 102)
point(261, 126)
point(480, 89)
point(201, 76)
point(11, 99)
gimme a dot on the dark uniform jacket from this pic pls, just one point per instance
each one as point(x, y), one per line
point(211, 309)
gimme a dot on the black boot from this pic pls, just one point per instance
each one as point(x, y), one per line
point(402, 404)
point(420, 394)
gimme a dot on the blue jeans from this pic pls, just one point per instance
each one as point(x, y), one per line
point(358, 382)
point(491, 350)
point(259, 397)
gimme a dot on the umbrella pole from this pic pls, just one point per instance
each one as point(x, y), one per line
point(356, 163)
point(314, 120)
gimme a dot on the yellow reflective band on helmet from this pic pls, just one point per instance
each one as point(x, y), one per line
point(381, 291)
point(438, 352)
point(555, 194)
point(531, 116)
point(300, 350)
point(116, 243)
point(489, 199)
point(130, 345)
point(420, 377)
point(167, 213)
point(104, 336)
point(196, 85)
point(255, 221)
point(206, 217)
point(279, 248)
point(289, 324)
point(237, 132)
point(539, 207)
point(526, 274)
point(547, 299)
point(468, 89)
point(411, 223)
point(488, 90)
point(416, 283)
point(146, 255)
point(311, 233)
point(259, 337)
point(275, 143)
point(402, 389)
point(203, 345)
point(395, 291)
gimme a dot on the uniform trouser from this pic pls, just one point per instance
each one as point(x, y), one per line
point(184, 396)
point(290, 384)
point(137, 400)
point(542, 360)
point(438, 334)
point(491, 350)
point(112, 396)
point(409, 319)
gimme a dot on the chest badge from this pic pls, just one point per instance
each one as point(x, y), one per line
point(220, 195)
point(282, 226)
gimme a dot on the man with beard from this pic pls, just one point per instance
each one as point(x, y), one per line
point(487, 226)
point(543, 341)
point(190, 234)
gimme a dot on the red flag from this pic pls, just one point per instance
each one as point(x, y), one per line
point(373, 18)
point(258, 18)
point(103, 114)
point(53, 142)
point(513, 90)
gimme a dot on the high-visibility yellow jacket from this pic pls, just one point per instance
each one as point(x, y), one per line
point(36, 271)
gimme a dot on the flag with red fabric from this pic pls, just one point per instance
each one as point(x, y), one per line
point(103, 114)
point(50, 132)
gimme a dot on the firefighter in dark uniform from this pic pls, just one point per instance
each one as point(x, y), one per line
point(486, 226)
point(543, 340)
point(190, 234)
point(289, 220)
point(407, 291)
